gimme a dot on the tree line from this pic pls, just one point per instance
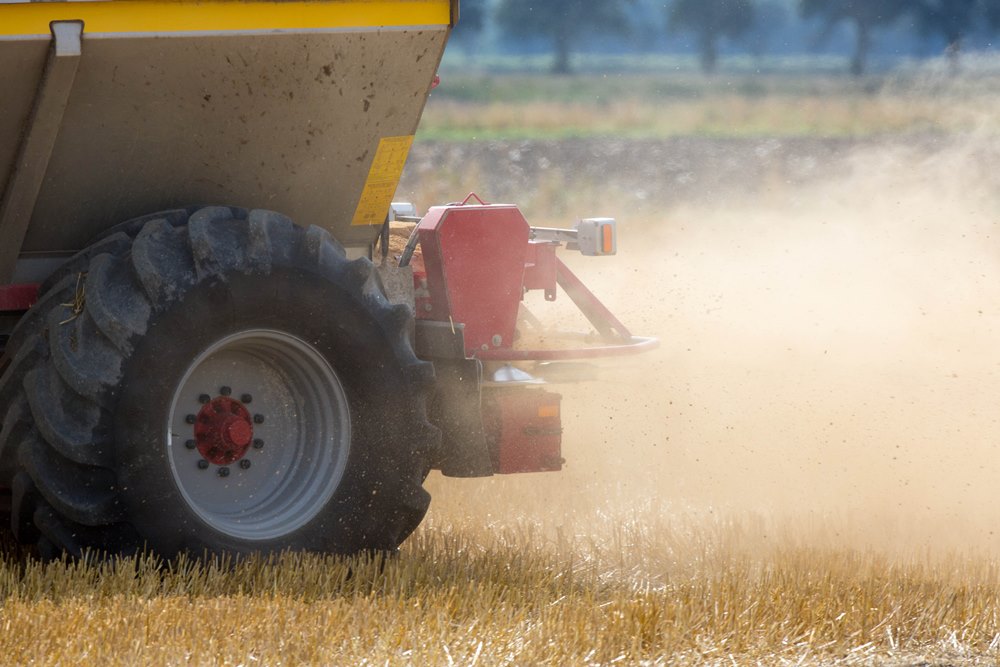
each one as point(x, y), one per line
point(565, 24)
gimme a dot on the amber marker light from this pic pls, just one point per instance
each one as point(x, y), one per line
point(608, 239)
point(548, 410)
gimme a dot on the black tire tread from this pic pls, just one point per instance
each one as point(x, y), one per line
point(68, 364)
point(16, 424)
point(162, 261)
point(114, 243)
point(24, 500)
point(84, 494)
point(59, 534)
point(67, 422)
point(31, 324)
point(87, 362)
point(12, 380)
point(116, 302)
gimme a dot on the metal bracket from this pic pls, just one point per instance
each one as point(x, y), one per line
point(38, 141)
point(553, 234)
point(591, 236)
point(610, 328)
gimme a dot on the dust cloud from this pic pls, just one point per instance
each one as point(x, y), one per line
point(829, 366)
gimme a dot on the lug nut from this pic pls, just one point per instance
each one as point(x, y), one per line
point(258, 419)
point(258, 443)
point(245, 464)
point(204, 398)
point(225, 391)
point(190, 444)
point(223, 471)
point(202, 464)
point(190, 419)
point(246, 398)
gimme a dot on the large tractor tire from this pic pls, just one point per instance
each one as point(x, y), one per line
point(215, 381)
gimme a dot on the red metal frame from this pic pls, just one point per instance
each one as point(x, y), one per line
point(19, 296)
point(619, 341)
point(528, 430)
point(477, 264)
point(540, 268)
point(603, 320)
point(635, 345)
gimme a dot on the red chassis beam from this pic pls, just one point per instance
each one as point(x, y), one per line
point(18, 297)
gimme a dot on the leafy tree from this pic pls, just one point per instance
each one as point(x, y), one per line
point(710, 20)
point(866, 15)
point(561, 21)
point(471, 21)
point(954, 20)
point(770, 18)
point(645, 24)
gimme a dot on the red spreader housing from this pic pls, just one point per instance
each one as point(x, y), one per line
point(477, 263)
point(474, 261)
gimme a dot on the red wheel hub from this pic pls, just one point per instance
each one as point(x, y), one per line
point(223, 431)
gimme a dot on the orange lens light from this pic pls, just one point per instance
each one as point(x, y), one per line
point(608, 239)
point(548, 410)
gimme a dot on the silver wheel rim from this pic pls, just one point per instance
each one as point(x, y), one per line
point(300, 445)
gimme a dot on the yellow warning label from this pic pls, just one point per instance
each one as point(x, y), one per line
point(383, 177)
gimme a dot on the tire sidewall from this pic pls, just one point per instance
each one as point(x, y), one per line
point(340, 327)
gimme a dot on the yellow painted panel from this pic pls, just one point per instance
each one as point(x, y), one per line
point(387, 167)
point(166, 16)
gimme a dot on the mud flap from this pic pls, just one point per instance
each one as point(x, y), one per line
point(456, 409)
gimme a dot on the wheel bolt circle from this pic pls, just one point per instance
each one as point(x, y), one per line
point(258, 419)
point(223, 471)
point(239, 433)
point(223, 431)
point(225, 391)
point(190, 419)
point(258, 443)
point(245, 464)
point(246, 398)
point(202, 464)
point(204, 398)
point(190, 444)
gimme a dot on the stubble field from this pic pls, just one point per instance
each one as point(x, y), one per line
point(805, 472)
